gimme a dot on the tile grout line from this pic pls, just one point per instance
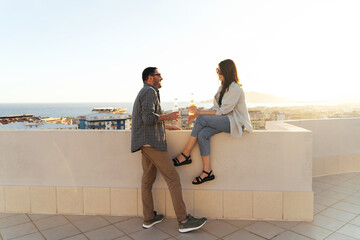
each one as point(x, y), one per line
point(30, 207)
point(110, 201)
point(56, 200)
point(331, 206)
point(36, 228)
point(5, 198)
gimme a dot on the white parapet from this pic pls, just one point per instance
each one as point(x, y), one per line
point(335, 144)
point(263, 175)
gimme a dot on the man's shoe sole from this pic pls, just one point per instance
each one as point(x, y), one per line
point(151, 225)
point(185, 230)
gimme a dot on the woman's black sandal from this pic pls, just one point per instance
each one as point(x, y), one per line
point(200, 180)
point(178, 163)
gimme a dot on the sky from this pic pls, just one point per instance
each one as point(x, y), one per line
point(96, 50)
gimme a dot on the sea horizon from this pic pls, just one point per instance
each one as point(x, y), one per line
point(76, 109)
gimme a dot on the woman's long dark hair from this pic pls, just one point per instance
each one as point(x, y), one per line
point(229, 71)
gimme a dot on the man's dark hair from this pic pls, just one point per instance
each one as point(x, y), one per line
point(147, 72)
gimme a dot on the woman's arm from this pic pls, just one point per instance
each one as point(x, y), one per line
point(208, 112)
point(229, 101)
point(198, 112)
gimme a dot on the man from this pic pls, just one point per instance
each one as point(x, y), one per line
point(148, 135)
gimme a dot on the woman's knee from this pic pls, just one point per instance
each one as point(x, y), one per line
point(200, 120)
point(203, 136)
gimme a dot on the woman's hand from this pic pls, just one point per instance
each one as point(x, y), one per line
point(193, 109)
point(191, 118)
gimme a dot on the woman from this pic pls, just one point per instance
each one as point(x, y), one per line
point(229, 114)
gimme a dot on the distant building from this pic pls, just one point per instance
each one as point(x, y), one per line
point(18, 118)
point(110, 110)
point(36, 125)
point(105, 121)
point(60, 120)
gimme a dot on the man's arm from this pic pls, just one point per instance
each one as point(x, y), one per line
point(172, 127)
point(168, 117)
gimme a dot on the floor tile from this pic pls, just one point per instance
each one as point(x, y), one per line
point(354, 181)
point(288, 235)
point(33, 236)
point(317, 190)
point(35, 217)
point(264, 229)
point(116, 219)
point(356, 221)
point(104, 233)
point(7, 214)
point(123, 238)
point(18, 230)
point(350, 185)
point(357, 194)
point(61, 232)
point(73, 218)
point(150, 234)
point(327, 222)
point(339, 236)
point(344, 190)
point(12, 220)
point(284, 224)
point(311, 231)
point(348, 207)
point(318, 208)
point(91, 223)
point(77, 237)
point(350, 230)
point(169, 226)
point(322, 185)
point(51, 222)
point(352, 199)
point(131, 225)
point(338, 214)
point(197, 234)
point(328, 180)
point(325, 201)
point(241, 223)
point(220, 228)
point(332, 195)
point(242, 235)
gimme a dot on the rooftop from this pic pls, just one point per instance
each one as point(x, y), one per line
point(29, 126)
point(336, 216)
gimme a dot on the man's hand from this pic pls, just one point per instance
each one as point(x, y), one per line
point(173, 116)
point(172, 127)
point(169, 117)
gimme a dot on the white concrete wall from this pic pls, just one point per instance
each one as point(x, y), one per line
point(276, 160)
point(265, 175)
point(335, 145)
point(333, 137)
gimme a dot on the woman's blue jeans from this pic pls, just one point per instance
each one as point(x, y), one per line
point(207, 126)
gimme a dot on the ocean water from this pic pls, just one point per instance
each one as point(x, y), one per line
point(73, 109)
point(81, 109)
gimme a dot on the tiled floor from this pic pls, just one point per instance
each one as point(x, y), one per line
point(337, 217)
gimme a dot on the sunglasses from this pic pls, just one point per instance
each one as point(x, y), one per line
point(156, 74)
point(218, 71)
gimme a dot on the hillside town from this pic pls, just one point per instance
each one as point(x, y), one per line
point(109, 118)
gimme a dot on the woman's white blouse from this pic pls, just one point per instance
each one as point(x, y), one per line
point(233, 105)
